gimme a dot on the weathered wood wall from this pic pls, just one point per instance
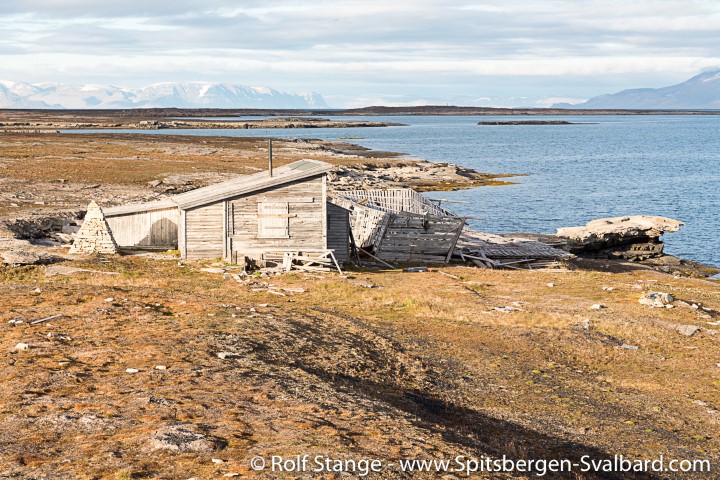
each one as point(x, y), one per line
point(157, 228)
point(338, 239)
point(408, 237)
point(365, 222)
point(306, 219)
point(204, 232)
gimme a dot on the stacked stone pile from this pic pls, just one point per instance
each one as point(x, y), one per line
point(94, 235)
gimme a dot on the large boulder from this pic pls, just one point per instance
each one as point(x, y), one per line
point(634, 237)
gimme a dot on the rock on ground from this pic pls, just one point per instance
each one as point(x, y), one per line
point(20, 257)
point(688, 330)
point(182, 437)
point(657, 299)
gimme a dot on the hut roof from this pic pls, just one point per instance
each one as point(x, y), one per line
point(139, 207)
point(232, 188)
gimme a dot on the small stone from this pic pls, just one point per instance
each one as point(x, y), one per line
point(20, 347)
point(688, 330)
point(598, 306)
point(629, 347)
point(217, 460)
point(154, 183)
point(37, 290)
point(586, 324)
point(550, 285)
point(109, 299)
point(506, 309)
point(131, 370)
point(608, 289)
point(160, 367)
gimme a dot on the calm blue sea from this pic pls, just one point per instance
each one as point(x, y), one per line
point(609, 166)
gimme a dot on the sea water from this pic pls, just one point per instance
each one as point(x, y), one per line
point(600, 166)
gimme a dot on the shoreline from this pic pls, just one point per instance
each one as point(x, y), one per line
point(157, 166)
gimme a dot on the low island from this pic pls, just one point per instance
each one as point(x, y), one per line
point(528, 122)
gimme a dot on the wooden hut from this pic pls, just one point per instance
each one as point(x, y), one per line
point(257, 216)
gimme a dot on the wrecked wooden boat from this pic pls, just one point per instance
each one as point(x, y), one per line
point(401, 225)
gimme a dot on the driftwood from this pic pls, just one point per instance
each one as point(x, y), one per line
point(376, 258)
point(455, 277)
point(46, 319)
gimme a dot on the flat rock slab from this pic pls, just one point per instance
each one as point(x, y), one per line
point(631, 226)
point(19, 257)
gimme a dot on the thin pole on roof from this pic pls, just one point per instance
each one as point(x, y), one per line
point(270, 156)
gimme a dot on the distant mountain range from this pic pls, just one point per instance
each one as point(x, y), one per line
point(701, 92)
point(161, 95)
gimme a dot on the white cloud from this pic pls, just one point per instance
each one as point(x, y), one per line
point(369, 47)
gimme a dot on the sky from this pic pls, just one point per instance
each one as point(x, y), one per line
point(366, 52)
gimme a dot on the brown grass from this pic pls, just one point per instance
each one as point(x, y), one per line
point(296, 385)
point(137, 159)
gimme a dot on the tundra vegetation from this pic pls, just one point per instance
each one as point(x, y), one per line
point(156, 367)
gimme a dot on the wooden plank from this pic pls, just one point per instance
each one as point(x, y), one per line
point(182, 234)
point(457, 237)
point(266, 198)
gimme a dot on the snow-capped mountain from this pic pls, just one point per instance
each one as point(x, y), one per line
point(700, 92)
point(180, 95)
